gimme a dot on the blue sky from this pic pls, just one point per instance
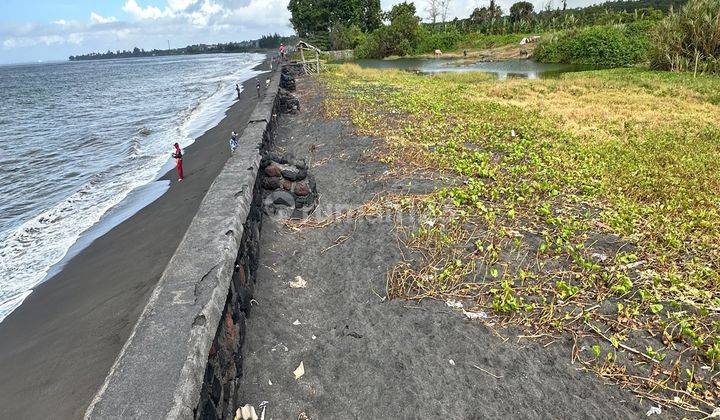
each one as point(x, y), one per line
point(45, 30)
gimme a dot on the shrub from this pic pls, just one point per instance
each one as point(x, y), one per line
point(611, 46)
point(399, 38)
point(345, 37)
point(689, 40)
point(430, 40)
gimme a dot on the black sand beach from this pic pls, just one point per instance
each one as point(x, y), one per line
point(365, 356)
point(56, 349)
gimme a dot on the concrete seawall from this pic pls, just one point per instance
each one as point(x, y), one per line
point(182, 359)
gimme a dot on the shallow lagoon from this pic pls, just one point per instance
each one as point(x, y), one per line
point(527, 69)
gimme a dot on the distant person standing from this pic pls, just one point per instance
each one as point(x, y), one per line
point(178, 155)
point(282, 51)
point(233, 142)
point(237, 88)
point(257, 86)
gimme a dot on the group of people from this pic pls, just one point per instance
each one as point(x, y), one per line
point(178, 153)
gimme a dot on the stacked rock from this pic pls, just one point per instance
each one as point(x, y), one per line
point(287, 81)
point(287, 102)
point(290, 191)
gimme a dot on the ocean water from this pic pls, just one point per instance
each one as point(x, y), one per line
point(76, 138)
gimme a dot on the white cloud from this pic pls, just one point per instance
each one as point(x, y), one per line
point(210, 8)
point(76, 39)
point(179, 5)
point(150, 12)
point(98, 19)
point(61, 22)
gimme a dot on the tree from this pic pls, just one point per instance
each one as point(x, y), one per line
point(370, 15)
point(521, 11)
point(399, 38)
point(433, 10)
point(444, 6)
point(311, 17)
point(404, 24)
point(487, 14)
point(345, 38)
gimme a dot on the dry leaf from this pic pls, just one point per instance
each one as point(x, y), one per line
point(300, 371)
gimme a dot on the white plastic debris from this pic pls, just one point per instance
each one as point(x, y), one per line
point(512, 133)
point(263, 405)
point(469, 315)
point(313, 337)
point(452, 362)
point(654, 410)
point(716, 413)
point(269, 382)
point(475, 315)
point(246, 412)
point(300, 371)
point(297, 322)
point(454, 304)
point(299, 283)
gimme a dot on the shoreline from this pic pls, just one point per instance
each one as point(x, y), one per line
point(57, 347)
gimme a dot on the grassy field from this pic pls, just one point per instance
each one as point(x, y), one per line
point(586, 206)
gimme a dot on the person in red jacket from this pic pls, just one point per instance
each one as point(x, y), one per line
point(178, 161)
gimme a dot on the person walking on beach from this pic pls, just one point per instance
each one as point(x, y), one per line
point(178, 161)
point(233, 142)
point(237, 88)
point(257, 86)
point(282, 51)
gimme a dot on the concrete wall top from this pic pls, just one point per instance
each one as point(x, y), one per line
point(159, 371)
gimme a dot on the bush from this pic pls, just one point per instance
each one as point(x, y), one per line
point(430, 40)
point(399, 38)
point(345, 38)
point(689, 40)
point(610, 46)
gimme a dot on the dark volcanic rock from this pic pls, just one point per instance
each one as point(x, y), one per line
point(273, 171)
point(287, 82)
point(287, 102)
point(272, 183)
point(293, 173)
point(282, 198)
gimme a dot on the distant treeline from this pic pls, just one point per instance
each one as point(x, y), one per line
point(270, 41)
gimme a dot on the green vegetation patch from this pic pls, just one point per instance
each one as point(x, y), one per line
point(584, 207)
point(611, 46)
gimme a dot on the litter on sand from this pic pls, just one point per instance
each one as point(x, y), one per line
point(452, 362)
point(263, 405)
point(469, 315)
point(300, 371)
point(298, 283)
point(475, 315)
point(246, 412)
point(297, 322)
point(454, 304)
point(654, 410)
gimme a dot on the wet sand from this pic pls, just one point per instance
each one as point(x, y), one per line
point(57, 347)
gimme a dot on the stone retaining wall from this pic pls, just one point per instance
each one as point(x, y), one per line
point(182, 359)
